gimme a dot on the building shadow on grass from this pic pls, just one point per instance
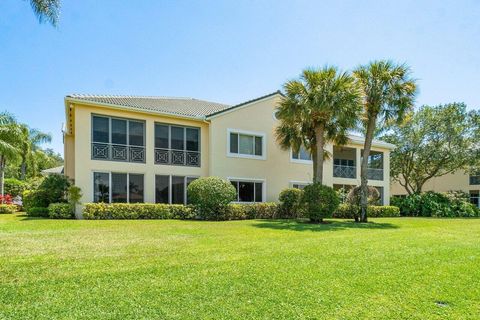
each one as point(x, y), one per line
point(330, 225)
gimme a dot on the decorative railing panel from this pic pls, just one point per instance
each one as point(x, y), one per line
point(375, 174)
point(118, 152)
point(340, 171)
point(177, 157)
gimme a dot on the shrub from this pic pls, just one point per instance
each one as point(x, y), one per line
point(236, 212)
point(262, 210)
point(354, 196)
point(319, 201)
point(52, 189)
point(14, 187)
point(347, 211)
point(103, 211)
point(434, 204)
point(290, 200)
point(210, 196)
point(6, 199)
point(37, 212)
point(8, 208)
point(74, 194)
point(60, 211)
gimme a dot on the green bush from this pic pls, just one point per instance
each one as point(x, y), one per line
point(210, 196)
point(8, 208)
point(103, 211)
point(60, 211)
point(262, 210)
point(347, 211)
point(319, 201)
point(434, 204)
point(14, 187)
point(290, 201)
point(236, 212)
point(37, 212)
point(52, 189)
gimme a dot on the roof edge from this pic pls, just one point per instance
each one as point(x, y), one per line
point(278, 92)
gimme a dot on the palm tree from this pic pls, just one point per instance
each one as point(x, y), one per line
point(318, 108)
point(30, 144)
point(10, 137)
point(46, 10)
point(389, 93)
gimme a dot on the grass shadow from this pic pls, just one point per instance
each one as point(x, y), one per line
point(305, 225)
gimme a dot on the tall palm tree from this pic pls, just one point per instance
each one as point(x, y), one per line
point(46, 10)
point(10, 138)
point(389, 93)
point(319, 107)
point(30, 144)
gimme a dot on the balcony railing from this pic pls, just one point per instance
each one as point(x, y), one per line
point(118, 152)
point(177, 157)
point(340, 171)
point(375, 174)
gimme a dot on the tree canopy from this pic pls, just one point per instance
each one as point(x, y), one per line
point(435, 141)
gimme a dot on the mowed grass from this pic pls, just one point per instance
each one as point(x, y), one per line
point(399, 268)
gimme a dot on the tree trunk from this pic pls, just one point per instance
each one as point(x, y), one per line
point(23, 170)
point(364, 169)
point(314, 161)
point(319, 136)
point(2, 176)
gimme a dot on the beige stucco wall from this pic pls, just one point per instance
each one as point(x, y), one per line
point(458, 180)
point(277, 170)
point(85, 166)
point(69, 156)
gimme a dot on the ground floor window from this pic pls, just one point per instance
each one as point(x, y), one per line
point(475, 197)
point(172, 189)
point(299, 185)
point(248, 191)
point(117, 187)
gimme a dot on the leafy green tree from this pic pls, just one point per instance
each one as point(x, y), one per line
point(10, 138)
point(318, 108)
point(389, 93)
point(46, 10)
point(436, 141)
point(30, 146)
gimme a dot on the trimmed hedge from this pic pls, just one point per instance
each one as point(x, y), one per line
point(37, 212)
point(102, 211)
point(8, 208)
point(290, 202)
point(319, 201)
point(347, 211)
point(211, 196)
point(61, 211)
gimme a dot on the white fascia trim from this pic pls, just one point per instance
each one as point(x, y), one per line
point(375, 143)
point(114, 106)
point(247, 156)
point(233, 109)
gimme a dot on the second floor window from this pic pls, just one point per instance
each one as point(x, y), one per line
point(246, 144)
point(474, 179)
point(118, 139)
point(177, 145)
point(302, 154)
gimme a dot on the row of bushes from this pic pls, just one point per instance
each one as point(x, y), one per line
point(54, 211)
point(347, 211)
point(434, 204)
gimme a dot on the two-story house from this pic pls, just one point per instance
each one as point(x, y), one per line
point(148, 149)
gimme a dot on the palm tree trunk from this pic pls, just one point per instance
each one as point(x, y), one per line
point(364, 168)
point(23, 170)
point(319, 136)
point(2, 176)
point(314, 161)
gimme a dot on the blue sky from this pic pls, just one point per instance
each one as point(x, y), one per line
point(225, 51)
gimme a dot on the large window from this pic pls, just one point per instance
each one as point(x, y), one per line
point(474, 179)
point(172, 189)
point(248, 191)
point(118, 139)
point(118, 187)
point(301, 155)
point(177, 145)
point(475, 197)
point(246, 144)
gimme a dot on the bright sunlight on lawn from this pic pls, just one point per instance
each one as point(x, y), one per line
point(408, 268)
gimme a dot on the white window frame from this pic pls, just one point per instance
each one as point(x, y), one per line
point(303, 183)
point(299, 160)
point(250, 133)
point(185, 177)
point(254, 180)
point(110, 183)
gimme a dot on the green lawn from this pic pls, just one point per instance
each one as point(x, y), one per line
point(399, 268)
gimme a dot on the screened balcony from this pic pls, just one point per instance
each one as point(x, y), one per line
point(177, 145)
point(344, 162)
point(375, 166)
